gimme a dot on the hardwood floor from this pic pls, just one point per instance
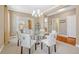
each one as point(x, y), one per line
point(62, 48)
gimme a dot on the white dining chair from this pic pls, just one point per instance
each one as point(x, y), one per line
point(27, 42)
point(50, 41)
point(18, 34)
point(42, 33)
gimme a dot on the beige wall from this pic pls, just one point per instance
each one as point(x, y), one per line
point(49, 24)
point(6, 27)
point(62, 16)
point(20, 16)
point(1, 25)
point(77, 25)
point(13, 18)
point(41, 21)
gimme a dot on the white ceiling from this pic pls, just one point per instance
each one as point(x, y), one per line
point(46, 9)
point(29, 8)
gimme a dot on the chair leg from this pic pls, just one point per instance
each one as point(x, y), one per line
point(35, 46)
point(21, 49)
point(41, 46)
point(18, 43)
point(48, 50)
point(29, 51)
point(55, 47)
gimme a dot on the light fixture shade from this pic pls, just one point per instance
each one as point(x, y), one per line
point(37, 13)
point(33, 12)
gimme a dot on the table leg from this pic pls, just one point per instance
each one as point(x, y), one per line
point(41, 45)
point(35, 46)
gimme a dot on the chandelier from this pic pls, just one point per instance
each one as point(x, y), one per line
point(37, 13)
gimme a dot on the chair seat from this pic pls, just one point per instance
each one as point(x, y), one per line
point(47, 42)
point(28, 45)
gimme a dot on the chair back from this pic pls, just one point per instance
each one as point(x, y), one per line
point(25, 40)
point(52, 37)
point(42, 32)
point(18, 35)
point(49, 37)
point(54, 34)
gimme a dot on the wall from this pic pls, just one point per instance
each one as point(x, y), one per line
point(1, 26)
point(6, 25)
point(77, 25)
point(49, 24)
point(71, 26)
point(41, 21)
point(62, 16)
point(16, 18)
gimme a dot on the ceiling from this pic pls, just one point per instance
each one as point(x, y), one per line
point(45, 9)
point(29, 8)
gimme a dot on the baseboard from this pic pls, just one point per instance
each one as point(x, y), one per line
point(1, 48)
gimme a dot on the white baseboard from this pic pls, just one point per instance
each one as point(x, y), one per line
point(1, 48)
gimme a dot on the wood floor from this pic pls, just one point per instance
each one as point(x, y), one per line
point(62, 48)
